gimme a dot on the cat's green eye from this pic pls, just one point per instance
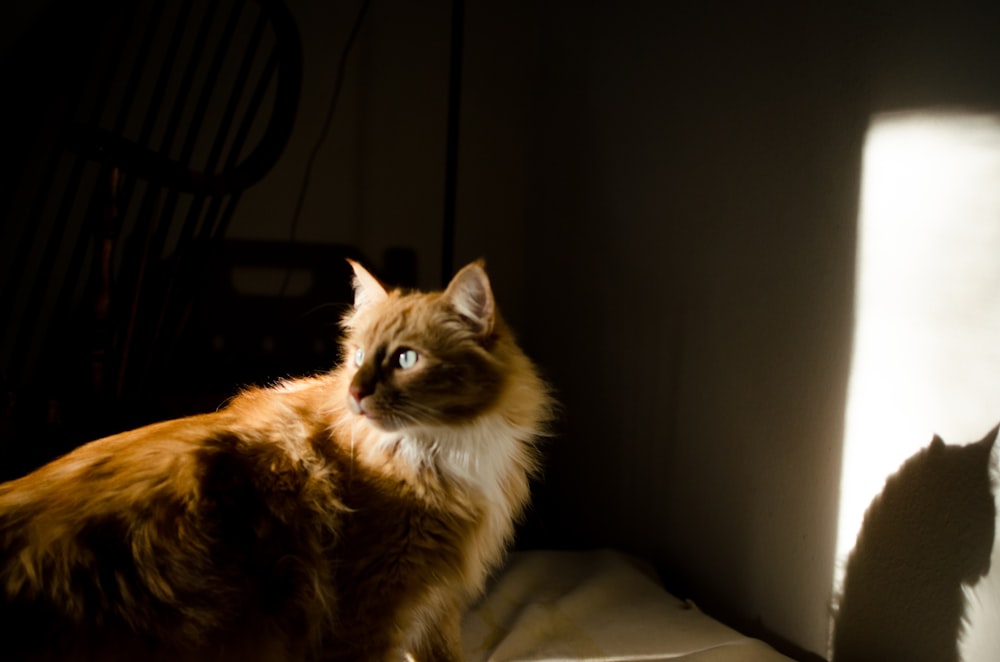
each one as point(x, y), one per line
point(359, 357)
point(406, 358)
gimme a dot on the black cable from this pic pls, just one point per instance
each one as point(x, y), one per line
point(338, 85)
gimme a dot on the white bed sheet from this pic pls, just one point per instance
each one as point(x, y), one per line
point(600, 606)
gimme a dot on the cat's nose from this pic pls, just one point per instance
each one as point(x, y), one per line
point(355, 394)
point(361, 387)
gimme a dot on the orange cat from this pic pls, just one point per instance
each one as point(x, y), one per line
point(348, 516)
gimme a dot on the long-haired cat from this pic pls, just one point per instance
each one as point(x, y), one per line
point(347, 516)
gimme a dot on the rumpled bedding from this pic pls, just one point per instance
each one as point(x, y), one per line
point(601, 606)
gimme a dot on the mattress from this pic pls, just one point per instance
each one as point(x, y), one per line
point(601, 606)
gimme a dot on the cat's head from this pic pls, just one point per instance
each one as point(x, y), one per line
point(423, 359)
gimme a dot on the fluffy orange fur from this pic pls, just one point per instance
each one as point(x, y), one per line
point(346, 516)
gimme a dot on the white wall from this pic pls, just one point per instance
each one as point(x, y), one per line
point(678, 188)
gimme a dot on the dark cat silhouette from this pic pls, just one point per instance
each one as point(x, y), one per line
point(929, 532)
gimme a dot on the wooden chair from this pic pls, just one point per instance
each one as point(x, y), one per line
point(171, 110)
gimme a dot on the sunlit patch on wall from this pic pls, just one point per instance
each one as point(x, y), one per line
point(927, 337)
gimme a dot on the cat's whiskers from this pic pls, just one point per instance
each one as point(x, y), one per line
point(354, 427)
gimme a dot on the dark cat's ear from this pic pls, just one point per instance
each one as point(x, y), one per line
point(992, 437)
point(367, 289)
point(470, 294)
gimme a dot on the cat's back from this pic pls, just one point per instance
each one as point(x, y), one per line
point(283, 419)
point(174, 536)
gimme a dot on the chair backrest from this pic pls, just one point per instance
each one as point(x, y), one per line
point(174, 108)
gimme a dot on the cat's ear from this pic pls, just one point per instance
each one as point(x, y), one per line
point(367, 289)
point(470, 294)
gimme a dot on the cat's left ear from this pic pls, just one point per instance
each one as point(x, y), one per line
point(367, 289)
point(469, 292)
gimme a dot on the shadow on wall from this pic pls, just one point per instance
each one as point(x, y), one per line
point(929, 532)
